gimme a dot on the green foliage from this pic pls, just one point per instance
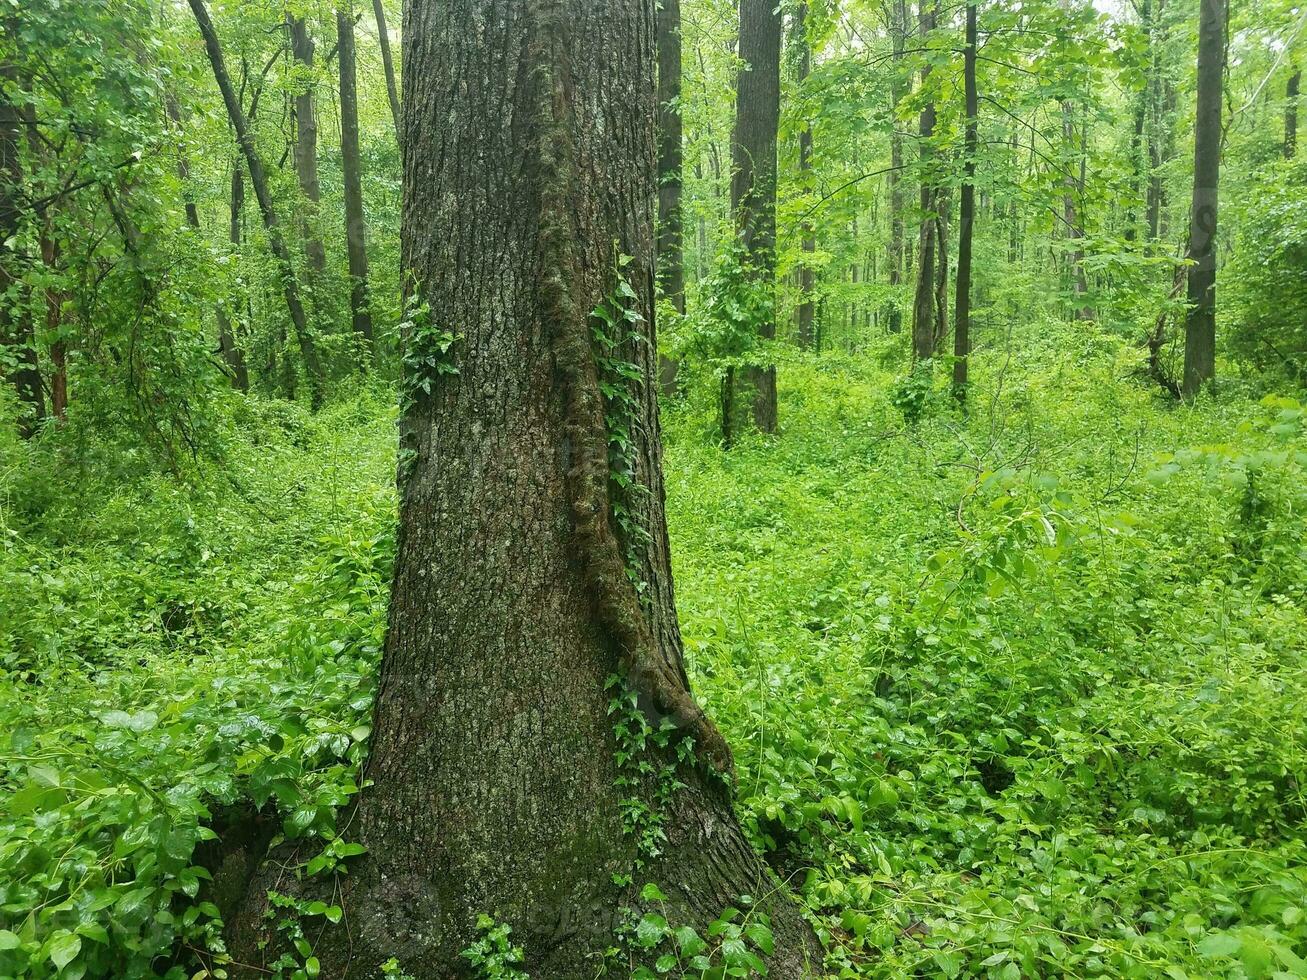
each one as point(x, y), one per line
point(1266, 284)
point(735, 946)
point(620, 383)
point(723, 331)
point(493, 956)
point(647, 760)
point(1017, 694)
point(144, 689)
point(427, 350)
point(912, 392)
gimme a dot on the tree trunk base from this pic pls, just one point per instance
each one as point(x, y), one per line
point(706, 868)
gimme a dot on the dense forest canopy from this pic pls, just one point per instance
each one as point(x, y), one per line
point(369, 368)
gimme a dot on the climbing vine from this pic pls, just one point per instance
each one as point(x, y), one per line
point(646, 775)
point(620, 383)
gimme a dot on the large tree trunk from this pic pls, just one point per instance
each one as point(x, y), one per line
point(493, 776)
point(967, 214)
point(808, 242)
point(753, 172)
point(388, 64)
point(923, 306)
point(306, 146)
point(259, 180)
point(671, 252)
point(1200, 323)
point(355, 227)
point(16, 330)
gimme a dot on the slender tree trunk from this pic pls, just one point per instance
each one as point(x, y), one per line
point(232, 358)
point(898, 35)
point(671, 253)
point(183, 160)
point(923, 307)
point(54, 296)
point(1200, 323)
point(753, 172)
point(492, 778)
point(1291, 113)
point(967, 213)
point(808, 242)
point(233, 354)
point(306, 148)
point(1074, 188)
point(945, 206)
point(290, 287)
point(388, 64)
point(355, 224)
point(1159, 122)
point(16, 330)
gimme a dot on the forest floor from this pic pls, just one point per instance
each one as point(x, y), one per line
point(1018, 693)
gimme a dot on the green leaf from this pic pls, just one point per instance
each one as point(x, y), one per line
point(63, 948)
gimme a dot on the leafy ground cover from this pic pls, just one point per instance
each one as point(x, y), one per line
point(1015, 693)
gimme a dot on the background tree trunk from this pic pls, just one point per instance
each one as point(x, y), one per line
point(388, 65)
point(290, 287)
point(808, 242)
point(1200, 323)
point(1291, 113)
point(923, 307)
point(753, 172)
point(355, 225)
point(306, 146)
point(967, 214)
point(492, 761)
point(16, 330)
point(898, 36)
point(233, 355)
point(671, 251)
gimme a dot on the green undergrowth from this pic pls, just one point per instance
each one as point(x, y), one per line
point(1019, 694)
point(170, 647)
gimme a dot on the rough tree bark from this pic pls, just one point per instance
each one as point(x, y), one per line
point(388, 64)
point(356, 244)
point(16, 330)
point(1200, 323)
point(923, 306)
point(259, 180)
point(966, 215)
point(530, 161)
point(753, 172)
point(306, 146)
point(808, 242)
point(671, 252)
